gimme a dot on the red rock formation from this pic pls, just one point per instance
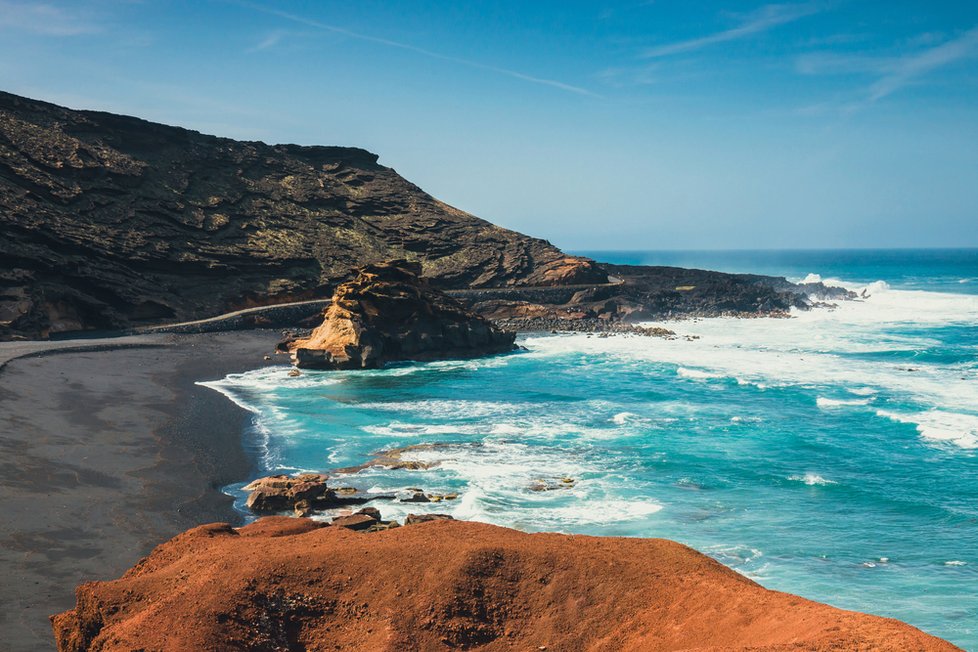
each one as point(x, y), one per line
point(388, 313)
point(292, 584)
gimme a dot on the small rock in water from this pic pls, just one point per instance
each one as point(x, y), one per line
point(293, 373)
point(541, 484)
point(416, 497)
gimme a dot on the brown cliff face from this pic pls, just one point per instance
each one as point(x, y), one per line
point(108, 221)
point(291, 584)
point(387, 313)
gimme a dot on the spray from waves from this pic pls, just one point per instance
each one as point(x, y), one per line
point(860, 347)
point(941, 426)
point(811, 479)
point(500, 482)
point(624, 417)
point(829, 403)
point(696, 374)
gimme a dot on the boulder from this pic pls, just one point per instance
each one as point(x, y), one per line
point(278, 493)
point(388, 313)
point(415, 519)
point(416, 497)
point(355, 521)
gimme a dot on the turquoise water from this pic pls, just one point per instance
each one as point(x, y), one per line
point(834, 454)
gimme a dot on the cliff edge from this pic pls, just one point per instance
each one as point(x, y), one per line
point(293, 584)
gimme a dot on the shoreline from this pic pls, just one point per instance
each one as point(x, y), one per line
point(107, 450)
point(199, 445)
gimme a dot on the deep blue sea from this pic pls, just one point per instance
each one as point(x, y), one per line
point(833, 454)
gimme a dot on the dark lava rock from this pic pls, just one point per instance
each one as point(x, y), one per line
point(279, 493)
point(355, 521)
point(388, 313)
point(108, 221)
point(372, 512)
point(415, 519)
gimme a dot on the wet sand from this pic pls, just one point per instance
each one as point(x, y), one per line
point(104, 454)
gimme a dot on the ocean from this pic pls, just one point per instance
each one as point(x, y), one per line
point(833, 454)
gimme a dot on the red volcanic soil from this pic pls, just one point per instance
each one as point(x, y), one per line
point(291, 584)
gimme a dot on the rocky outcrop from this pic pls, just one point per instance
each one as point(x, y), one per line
point(640, 293)
point(107, 221)
point(278, 493)
point(388, 313)
point(294, 584)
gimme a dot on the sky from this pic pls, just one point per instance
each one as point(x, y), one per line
point(658, 124)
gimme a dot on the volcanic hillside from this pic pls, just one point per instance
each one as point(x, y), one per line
point(108, 220)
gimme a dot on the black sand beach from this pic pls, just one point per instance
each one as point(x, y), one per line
point(106, 453)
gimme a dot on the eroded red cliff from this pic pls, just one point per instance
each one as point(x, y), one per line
point(291, 584)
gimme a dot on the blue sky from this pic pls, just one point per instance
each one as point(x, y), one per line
point(637, 125)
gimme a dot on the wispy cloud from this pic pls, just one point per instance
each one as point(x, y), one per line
point(911, 67)
point(516, 74)
point(270, 41)
point(833, 63)
point(765, 18)
point(891, 73)
point(44, 19)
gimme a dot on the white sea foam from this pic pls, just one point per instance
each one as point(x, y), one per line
point(817, 348)
point(443, 408)
point(736, 556)
point(812, 278)
point(497, 476)
point(941, 426)
point(697, 374)
point(828, 403)
point(955, 562)
point(811, 479)
point(623, 417)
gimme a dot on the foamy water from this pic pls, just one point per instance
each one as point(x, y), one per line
point(833, 454)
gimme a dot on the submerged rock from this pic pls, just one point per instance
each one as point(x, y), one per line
point(394, 459)
point(388, 313)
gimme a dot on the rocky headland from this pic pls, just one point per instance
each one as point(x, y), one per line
point(388, 313)
point(109, 222)
point(438, 584)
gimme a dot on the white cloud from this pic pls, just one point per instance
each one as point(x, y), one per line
point(765, 18)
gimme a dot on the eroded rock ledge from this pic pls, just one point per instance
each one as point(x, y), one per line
point(294, 584)
point(388, 313)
